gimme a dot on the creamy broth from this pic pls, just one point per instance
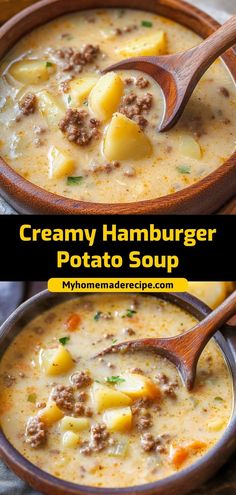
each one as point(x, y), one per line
point(149, 433)
point(95, 169)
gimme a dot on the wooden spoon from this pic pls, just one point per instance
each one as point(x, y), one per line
point(178, 74)
point(185, 349)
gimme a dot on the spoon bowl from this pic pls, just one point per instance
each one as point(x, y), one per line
point(178, 75)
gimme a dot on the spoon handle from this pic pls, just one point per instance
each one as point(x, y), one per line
point(215, 45)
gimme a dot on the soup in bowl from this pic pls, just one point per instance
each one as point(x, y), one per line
point(93, 138)
point(117, 421)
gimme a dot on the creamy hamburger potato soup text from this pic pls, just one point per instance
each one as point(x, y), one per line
point(89, 137)
point(118, 420)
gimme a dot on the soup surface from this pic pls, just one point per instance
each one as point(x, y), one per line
point(69, 131)
point(118, 420)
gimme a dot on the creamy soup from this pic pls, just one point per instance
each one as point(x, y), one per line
point(118, 420)
point(92, 138)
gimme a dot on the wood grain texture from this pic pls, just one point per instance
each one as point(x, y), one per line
point(206, 196)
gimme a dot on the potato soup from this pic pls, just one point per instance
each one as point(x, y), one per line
point(117, 420)
point(89, 137)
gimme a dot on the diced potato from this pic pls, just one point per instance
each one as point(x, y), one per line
point(212, 293)
point(55, 361)
point(80, 88)
point(125, 140)
point(50, 414)
point(105, 96)
point(69, 423)
point(118, 419)
point(104, 397)
point(138, 386)
point(31, 71)
point(60, 163)
point(70, 439)
point(216, 424)
point(190, 147)
point(51, 107)
point(148, 45)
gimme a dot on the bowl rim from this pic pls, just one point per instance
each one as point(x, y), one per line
point(184, 300)
point(54, 203)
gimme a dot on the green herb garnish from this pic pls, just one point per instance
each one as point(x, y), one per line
point(114, 379)
point(184, 169)
point(64, 340)
point(97, 315)
point(69, 99)
point(85, 103)
point(72, 181)
point(48, 64)
point(129, 313)
point(32, 398)
point(219, 399)
point(114, 341)
point(147, 24)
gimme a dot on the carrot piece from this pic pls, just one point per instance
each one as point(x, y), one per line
point(73, 322)
point(178, 456)
point(197, 445)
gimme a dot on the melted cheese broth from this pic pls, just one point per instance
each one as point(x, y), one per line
point(208, 119)
point(192, 421)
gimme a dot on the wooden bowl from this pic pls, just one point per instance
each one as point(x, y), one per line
point(183, 481)
point(206, 196)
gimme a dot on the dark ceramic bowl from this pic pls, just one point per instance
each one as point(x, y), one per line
point(206, 196)
point(180, 483)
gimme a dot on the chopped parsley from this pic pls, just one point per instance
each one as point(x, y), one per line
point(64, 340)
point(184, 169)
point(48, 64)
point(85, 103)
point(72, 181)
point(114, 379)
point(32, 398)
point(97, 315)
point(69, 99)
point(219, 399)
point(147, 24)
point(114, 341)
point(129, 313)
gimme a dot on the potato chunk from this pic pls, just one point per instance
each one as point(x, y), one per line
point(50, 414)
point(32, 71)
point(60, 163)
point(70, 439)
point(118, 419)
point(51, 107)
point(212, 293)
point(125, 140)
point(69, 423)
point(190, 147)
point(138, 386)
point(148, 45)
point(105, 97)
point(80, 88)
point(104, 397)
point(55, 361)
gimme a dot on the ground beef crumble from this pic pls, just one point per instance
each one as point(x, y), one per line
point(74, 60)
point(28, 104)
point(78, 127)
point(158, 444)
point(35, 432)
point(133, 106)
point(98, 441)
point(80, 379)
point(168, 387)
point(64, 397)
